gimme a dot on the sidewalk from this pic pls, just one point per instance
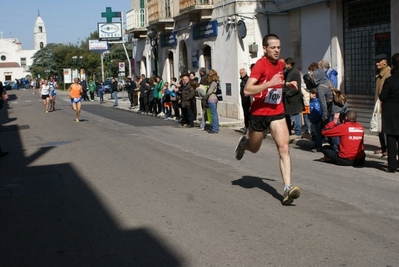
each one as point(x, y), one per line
point(371, 141)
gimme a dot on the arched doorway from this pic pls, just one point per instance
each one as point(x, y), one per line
point(207, 57)
point(183, 60)
point(171, 65)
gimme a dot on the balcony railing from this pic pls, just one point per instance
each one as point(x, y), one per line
point(193, 4)
point(159, 10)
point(136, 19)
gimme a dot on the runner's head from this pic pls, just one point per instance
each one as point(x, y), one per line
point(271, 47)
point(75, 80)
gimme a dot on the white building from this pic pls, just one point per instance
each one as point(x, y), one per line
point(227, 35)
point(15, 62)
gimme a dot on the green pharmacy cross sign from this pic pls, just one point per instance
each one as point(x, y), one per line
point(109, 14)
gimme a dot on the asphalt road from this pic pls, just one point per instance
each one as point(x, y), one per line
point(123, 189)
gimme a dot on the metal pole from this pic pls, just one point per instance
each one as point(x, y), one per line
point(102, 66)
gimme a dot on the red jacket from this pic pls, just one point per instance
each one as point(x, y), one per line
point(351, 135)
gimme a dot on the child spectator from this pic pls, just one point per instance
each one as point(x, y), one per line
point(315, 118)
point(167, 104)
point(101, 91)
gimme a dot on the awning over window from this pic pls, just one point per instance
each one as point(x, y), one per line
point(285, 5)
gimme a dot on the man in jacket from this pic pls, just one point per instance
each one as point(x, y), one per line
point(390, 109)
point(384, 71)
point(351, 135)
point(114, 91)
point(293, 103)
point(130, 87)
point(187, 96)
point(330, 73)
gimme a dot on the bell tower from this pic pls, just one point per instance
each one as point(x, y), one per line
point(39, 33)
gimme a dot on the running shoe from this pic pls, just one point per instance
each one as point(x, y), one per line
point(239, 152)
point(290, 193)
point(76, 120)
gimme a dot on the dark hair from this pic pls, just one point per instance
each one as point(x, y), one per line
point(351, 115)
point(313, 66)
point(174, 79)
point(252, 65)
point(203, 70)
point(268, 37)
point(184, 74)
point(192, 72)
point(194, 84)
point(290, 60)
point(395, 60)
point(313, 91)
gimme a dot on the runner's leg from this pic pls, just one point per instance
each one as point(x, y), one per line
point(279, 132)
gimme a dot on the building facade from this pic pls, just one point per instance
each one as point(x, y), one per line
point(170, 37)
point(14, 61)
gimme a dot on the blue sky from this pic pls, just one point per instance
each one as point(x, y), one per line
point(65, 21)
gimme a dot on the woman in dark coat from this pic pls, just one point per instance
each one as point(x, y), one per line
point(390, 109)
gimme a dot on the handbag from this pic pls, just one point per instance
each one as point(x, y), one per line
point(376, 123)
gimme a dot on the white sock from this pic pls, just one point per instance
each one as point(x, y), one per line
point(286, 186)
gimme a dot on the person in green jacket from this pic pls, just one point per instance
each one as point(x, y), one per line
point(92, 89)
point(158, 96)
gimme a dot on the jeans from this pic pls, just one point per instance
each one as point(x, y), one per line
point(215, 117)
point(317, 135)
point(101, 95)
point(298, 124)
point(307, 122)
point(115, 96)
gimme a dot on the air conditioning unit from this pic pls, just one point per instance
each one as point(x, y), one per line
point(253, 48)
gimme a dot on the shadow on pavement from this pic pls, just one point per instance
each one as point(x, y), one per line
point(255, 182)
point(51, 217)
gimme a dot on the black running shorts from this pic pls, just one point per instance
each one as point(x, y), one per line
point(262, 123)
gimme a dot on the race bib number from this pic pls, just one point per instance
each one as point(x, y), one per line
point(273, 96)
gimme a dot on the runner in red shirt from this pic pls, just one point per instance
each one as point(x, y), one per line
point(267, 111)
point(351, 147)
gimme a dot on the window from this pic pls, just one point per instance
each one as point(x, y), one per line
point(40, 29)
point(23, 62)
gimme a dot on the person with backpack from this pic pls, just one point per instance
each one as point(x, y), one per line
point(330, 73)
point(212, 99)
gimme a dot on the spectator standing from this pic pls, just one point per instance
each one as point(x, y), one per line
point(114, 91)
point(293, 103)
point(203, 77)
point(390, 109)
point(144, 89)
point(83, 83)
point(187, 96)
point(92, 89)
point(130, 87)
point(212, 99)
point(267, 111)
point(384, 71)
point(330, 73)
point(167, 104)
point(101, 91)
point(245, 100)
point(175, 97)
point(351, 135)
point(3, 98)
point(315, 119)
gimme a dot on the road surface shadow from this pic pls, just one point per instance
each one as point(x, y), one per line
point(249, 182)
point(50, 216)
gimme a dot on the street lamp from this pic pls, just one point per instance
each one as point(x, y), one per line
point(77, 60)
point(152, 35)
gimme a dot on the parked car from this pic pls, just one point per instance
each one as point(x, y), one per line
point(10, 85)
